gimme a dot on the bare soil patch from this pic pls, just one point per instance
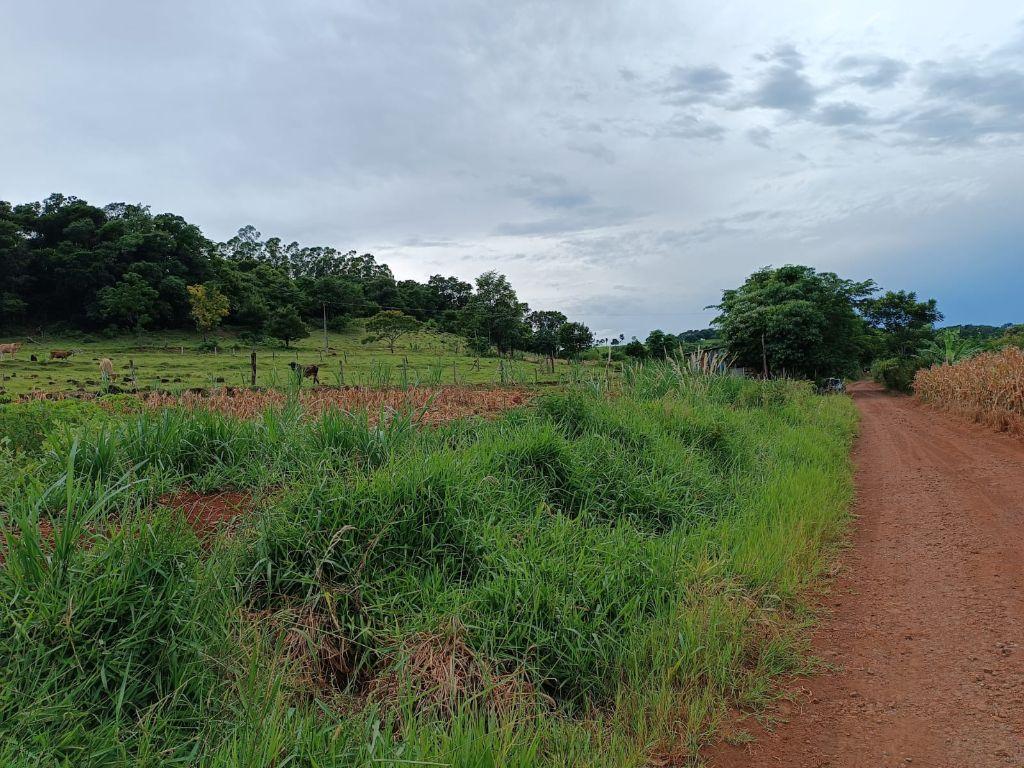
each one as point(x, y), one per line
point(927, 616)
point(208, 512)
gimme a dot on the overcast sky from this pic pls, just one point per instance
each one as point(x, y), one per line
point(622, 161)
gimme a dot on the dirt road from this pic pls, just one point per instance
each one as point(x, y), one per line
point(927, 624)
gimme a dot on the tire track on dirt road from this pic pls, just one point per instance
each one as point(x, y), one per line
point(926, 621)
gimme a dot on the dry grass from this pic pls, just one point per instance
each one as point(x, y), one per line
point(988, 388)
point(432, 404)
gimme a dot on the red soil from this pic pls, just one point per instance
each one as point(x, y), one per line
point(207, 512)
point(927, 629)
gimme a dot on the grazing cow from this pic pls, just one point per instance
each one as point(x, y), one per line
point(9, 349)
point(106, 368)
point(307, 371)
point(61, 354)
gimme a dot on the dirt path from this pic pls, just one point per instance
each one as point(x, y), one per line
point(928, 622)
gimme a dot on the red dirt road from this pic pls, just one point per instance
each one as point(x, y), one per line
point(927, 615)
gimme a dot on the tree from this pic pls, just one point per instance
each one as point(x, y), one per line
point(659, 344)
point(495, 313)
point(129, 302)
point(208, 307)
point(795, 320)
point(900, 323)
point(545, 325)
point(574, 338)
point(286, 325)
point(390, 326)
point(948, 347)
point(635, 349)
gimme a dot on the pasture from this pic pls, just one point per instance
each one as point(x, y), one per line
point(574, 577)
point(176, 362)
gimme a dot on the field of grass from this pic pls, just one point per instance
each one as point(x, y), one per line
point(177, 361)
point(589, 579)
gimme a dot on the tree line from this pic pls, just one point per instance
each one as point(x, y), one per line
point(69, 264)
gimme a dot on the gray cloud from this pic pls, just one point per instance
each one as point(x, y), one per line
point(843, 113)
point(871, 71)
point(691, 85)
point(760, 137)
point(784, 86)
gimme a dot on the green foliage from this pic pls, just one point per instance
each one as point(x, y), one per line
point(208, 307)
point(795, 321)
point(390, 326)
point(25, 425)
point(286, 324)
point(896, 373)
point(128, 303)
point(574, 338)
point(900, 323)
point(948, 347)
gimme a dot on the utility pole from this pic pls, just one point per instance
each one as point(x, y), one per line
point(764, 357)
point(325, 327)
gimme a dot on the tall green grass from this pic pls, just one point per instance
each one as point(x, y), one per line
point(579, 583)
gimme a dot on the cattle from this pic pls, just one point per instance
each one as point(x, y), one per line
point(9, 349)
point(106, 369)
point(61, 354)
point(307, 371)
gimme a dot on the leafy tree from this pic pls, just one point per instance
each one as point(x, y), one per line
point(128, 303)
point(574, 338)
point(545, 325)
point(659, 344)
point(900, 323)
point(390, 326)
point(286, 324)
point(209, 307)
point(495, 313)
point(635, 349)
point(795, 320)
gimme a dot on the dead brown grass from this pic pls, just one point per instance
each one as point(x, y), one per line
point(433, 404)
point(988, 388)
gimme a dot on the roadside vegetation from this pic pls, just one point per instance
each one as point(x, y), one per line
point(588, 578)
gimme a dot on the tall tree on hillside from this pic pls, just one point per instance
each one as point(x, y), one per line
point(209, 307)
point(795, 320)
point(900, 322)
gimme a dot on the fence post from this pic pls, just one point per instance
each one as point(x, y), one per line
point(252, 365)
point(131, 370)
point(341, 373)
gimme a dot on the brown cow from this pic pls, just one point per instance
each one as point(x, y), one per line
point(61, 354)
point(307, 371)
point(9, 349)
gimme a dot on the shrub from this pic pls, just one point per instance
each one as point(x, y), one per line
point(896, 373)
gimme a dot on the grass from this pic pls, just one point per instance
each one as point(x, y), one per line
point(587, 581)
point(175, 362)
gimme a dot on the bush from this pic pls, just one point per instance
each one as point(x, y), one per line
point(896, 373)
point(26, 424)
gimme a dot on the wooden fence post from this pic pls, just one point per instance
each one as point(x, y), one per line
point(252, 365)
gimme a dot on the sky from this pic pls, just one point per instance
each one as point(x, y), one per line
point(621, 161)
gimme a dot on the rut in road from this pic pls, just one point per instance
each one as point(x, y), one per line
point(927, 616)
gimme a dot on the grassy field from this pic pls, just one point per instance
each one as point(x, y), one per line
point(588, 579)
point(176, 361)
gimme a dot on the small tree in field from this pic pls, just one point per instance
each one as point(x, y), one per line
point(286, 325)
point(574, 338)
point(208, 307)
point(390, 326)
